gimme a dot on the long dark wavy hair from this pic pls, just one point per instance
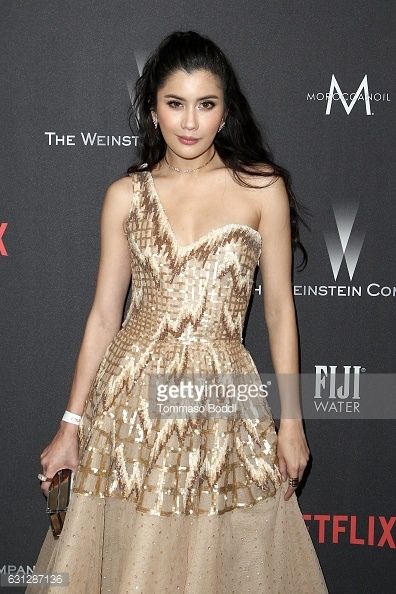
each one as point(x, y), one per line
point(240, 143)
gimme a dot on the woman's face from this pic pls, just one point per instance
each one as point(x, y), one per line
point(190, 105)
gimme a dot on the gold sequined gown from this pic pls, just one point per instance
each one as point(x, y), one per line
point(161, 506)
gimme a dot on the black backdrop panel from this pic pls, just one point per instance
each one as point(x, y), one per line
point(67, 71)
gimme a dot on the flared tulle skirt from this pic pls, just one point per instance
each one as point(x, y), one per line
point(163, 509)
point(106, 546)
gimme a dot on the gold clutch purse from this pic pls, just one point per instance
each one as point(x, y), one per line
point(58, 498)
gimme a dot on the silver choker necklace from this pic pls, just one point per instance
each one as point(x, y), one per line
point(188, 170)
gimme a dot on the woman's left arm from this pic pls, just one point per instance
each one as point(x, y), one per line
point(279, 312)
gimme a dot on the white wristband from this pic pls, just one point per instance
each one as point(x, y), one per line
point(70, 417)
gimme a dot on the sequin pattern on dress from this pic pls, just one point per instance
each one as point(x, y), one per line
point(186, 316)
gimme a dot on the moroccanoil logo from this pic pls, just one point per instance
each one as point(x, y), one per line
point(362, 95)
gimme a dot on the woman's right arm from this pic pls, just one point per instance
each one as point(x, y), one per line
point(103, 322)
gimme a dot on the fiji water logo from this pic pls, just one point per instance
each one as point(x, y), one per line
point(337, 389)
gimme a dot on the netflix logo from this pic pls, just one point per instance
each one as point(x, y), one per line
point(3, 251)
point(373, 531)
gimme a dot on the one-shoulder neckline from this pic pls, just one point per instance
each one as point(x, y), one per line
point(212, 232)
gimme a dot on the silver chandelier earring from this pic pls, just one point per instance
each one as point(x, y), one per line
point(155, 121)
point(221, 126)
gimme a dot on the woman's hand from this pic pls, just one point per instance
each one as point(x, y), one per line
point(62, 452)
point(293, 451)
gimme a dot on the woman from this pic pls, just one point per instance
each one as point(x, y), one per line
point(164, 503)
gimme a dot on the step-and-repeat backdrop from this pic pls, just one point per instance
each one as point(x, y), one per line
point(319, 77)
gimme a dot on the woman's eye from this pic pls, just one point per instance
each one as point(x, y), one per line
point(210, 103)
point(171, 103)
point(174, 104)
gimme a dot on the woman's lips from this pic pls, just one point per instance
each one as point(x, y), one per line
point(185, 140)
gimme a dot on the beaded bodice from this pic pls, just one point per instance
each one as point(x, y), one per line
point(188, 292)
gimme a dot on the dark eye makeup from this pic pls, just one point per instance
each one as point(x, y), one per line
point(210, 103)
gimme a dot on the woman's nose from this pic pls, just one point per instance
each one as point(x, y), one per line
point(189, 119)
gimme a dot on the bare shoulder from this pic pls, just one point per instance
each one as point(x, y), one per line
point(118, 194)
point(121, 186)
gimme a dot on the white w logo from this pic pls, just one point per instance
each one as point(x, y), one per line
point(344, 244)
point(140, 59)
